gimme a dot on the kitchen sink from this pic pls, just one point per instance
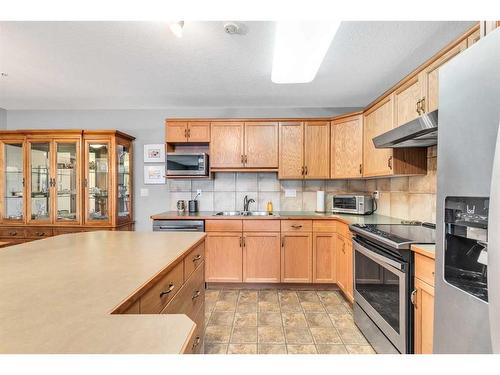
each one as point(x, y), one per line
point(244, 213)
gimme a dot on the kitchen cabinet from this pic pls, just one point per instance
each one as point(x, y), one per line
point(324, 258)
point(261, 145)
point(224, 257)
point(408, 101)
point(54, 182)
point(296, 257)
point(347, 147)
point(473, 38)
point(261, 257)
point(423, 304)
point(227, 145)
point(304, 150)
point(345, 266)
point(187, 131)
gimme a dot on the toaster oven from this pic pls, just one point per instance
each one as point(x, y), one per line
point(362, 204)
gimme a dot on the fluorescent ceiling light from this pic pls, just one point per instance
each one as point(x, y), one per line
point(176, 28)
point(299, 49)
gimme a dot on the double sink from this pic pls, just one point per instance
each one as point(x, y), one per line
point(244, 213)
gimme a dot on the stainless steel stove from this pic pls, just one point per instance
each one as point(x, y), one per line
point(383, 282)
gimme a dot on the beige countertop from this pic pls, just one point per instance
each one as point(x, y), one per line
point(427, 250)
point(348, 219)
point(57, 293)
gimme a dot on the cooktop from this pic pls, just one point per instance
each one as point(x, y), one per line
point(399, 236)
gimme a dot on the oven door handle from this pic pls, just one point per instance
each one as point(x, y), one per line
point(377, 257)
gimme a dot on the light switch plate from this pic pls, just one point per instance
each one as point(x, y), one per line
point(290, 193)
point(144, 192)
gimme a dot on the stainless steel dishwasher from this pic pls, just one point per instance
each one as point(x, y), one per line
point(178, 226)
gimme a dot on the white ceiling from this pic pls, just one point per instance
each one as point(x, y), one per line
point(125, 65)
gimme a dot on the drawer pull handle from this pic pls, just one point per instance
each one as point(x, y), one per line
point(169, 290)
point(198, 257)
point(196, 294)
point(12, 233)
point(296, 226)
point(196, 342)
point(40, 234)
point(413, 297)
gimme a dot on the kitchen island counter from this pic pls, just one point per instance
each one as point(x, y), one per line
point(58, 293)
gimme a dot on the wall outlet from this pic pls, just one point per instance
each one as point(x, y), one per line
point(198, 192)
point(144, 192)
point(376, 194)
point(290, 193)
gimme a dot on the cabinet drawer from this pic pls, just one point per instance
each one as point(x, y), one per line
point(424, 269)
point(190, 298)
point(343, 230)
point(261, 225)
point(39, 232)
point(296, 225)
point(195, 343)
point(58, 231)
point(135, 308)
point(223, 226)
point(156, 298)
point(12, 232)
point(193, 260)
point(329, 226)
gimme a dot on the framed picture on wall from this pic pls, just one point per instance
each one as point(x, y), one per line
point(154, 174)
point(154, 153)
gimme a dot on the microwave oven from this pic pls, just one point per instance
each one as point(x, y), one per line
point(180, 164)
point(362, 204)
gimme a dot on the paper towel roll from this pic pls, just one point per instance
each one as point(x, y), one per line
point(320, 201)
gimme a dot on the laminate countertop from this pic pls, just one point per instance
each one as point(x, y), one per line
point(57, 293)
point(292, 215)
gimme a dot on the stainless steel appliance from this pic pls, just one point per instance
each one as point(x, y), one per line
point(178, 226)
point(362, 204)
point(467, 316)
point(383, 282)
point(181, 164)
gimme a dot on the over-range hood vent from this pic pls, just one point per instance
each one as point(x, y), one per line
point(421, 132)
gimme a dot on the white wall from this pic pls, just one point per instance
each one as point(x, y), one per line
point(3, 118)
point(148, 127)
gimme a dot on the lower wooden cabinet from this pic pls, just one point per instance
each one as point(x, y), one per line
point(261, 257)
point(423, 304)
point(324, 258)
point(296, 257)
point(224, 257)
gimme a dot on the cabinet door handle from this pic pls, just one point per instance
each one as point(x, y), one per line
point(361, 169)
point(196, 342)
point(282, 241)
point(196, 294)
point(40, 234)
point(343, 247)
point(389, 162)
point(296, 226)
point(246, 159)
point(305, 170)
point(422, 105)
point(242, 159)
point(189, 133)
point(418, 107)
point(244, 243)
point(241, 242)
point(85, 182)
point(185, 133)
point(23, 181)
point(196, 258)
point(302, 171)
point(12, 233)
point(413, 297)
point(168, 291)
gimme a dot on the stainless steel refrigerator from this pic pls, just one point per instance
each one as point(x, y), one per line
point(467, 288)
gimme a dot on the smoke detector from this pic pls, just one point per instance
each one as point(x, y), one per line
point(233, 28)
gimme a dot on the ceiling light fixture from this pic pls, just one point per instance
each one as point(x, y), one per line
point(299, 49)
point(176, 28)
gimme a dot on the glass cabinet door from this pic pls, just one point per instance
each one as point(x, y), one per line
point(124, 183)
point(98, 181)
point(40, 181)
point(13, 181)
point(66, 181)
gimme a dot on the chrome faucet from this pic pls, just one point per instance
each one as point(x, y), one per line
point(246, 202)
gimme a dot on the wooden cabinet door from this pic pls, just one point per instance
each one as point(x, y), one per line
point(261, 257)
point(291, 150)
point(430, 77)
point(176, 131)
point(349, 273)
point(341, 262)
point(13, 181)
point(261, 145)
point(377, 120)
point(224, 257)
point(317, 149)
point(226, 144)
point(296, 257)
point(198, 131)
point(347, 147)
point(424, 317)
point(406, 99)
point(324, 258)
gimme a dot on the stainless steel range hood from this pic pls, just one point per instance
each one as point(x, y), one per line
point(421, 132)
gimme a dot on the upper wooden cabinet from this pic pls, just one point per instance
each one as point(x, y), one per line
point(347, 147)
point(227, 145)
point(236, 145)
point(304, 150)
point(408, 101)
point(187, 132)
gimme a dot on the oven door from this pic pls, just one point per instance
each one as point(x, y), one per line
point(380, 289)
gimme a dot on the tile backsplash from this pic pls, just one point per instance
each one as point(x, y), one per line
point(402, 197)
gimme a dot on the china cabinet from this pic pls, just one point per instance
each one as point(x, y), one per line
point(54, 182)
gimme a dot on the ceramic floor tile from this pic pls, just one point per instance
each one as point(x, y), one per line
point(225, 306)
point(271, 335)
point(268, 296)
point(294, 320)
point(242, 349)
point(288, 296)
point(298, 336)
point(360, 349)
point(271, 349)
point(329, 297)
point(318, 320)
point(248, 296)
point(221, 318)
point(308, 296)
point(245, 319)
point(270, 319)
point(242, 335)
point(336, 309)
point(247, 307)
point(228, 295)
point(339, 320)
point(217, 334)
point(301, 349)
point(212, 348)
point(290, 307)
point(211, 295)
point(352, 336)
point(324, 335)
point(312, 306)
point(265, 306)
point(331, 349)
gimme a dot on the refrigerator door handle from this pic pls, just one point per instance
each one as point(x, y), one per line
point(494, 251)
